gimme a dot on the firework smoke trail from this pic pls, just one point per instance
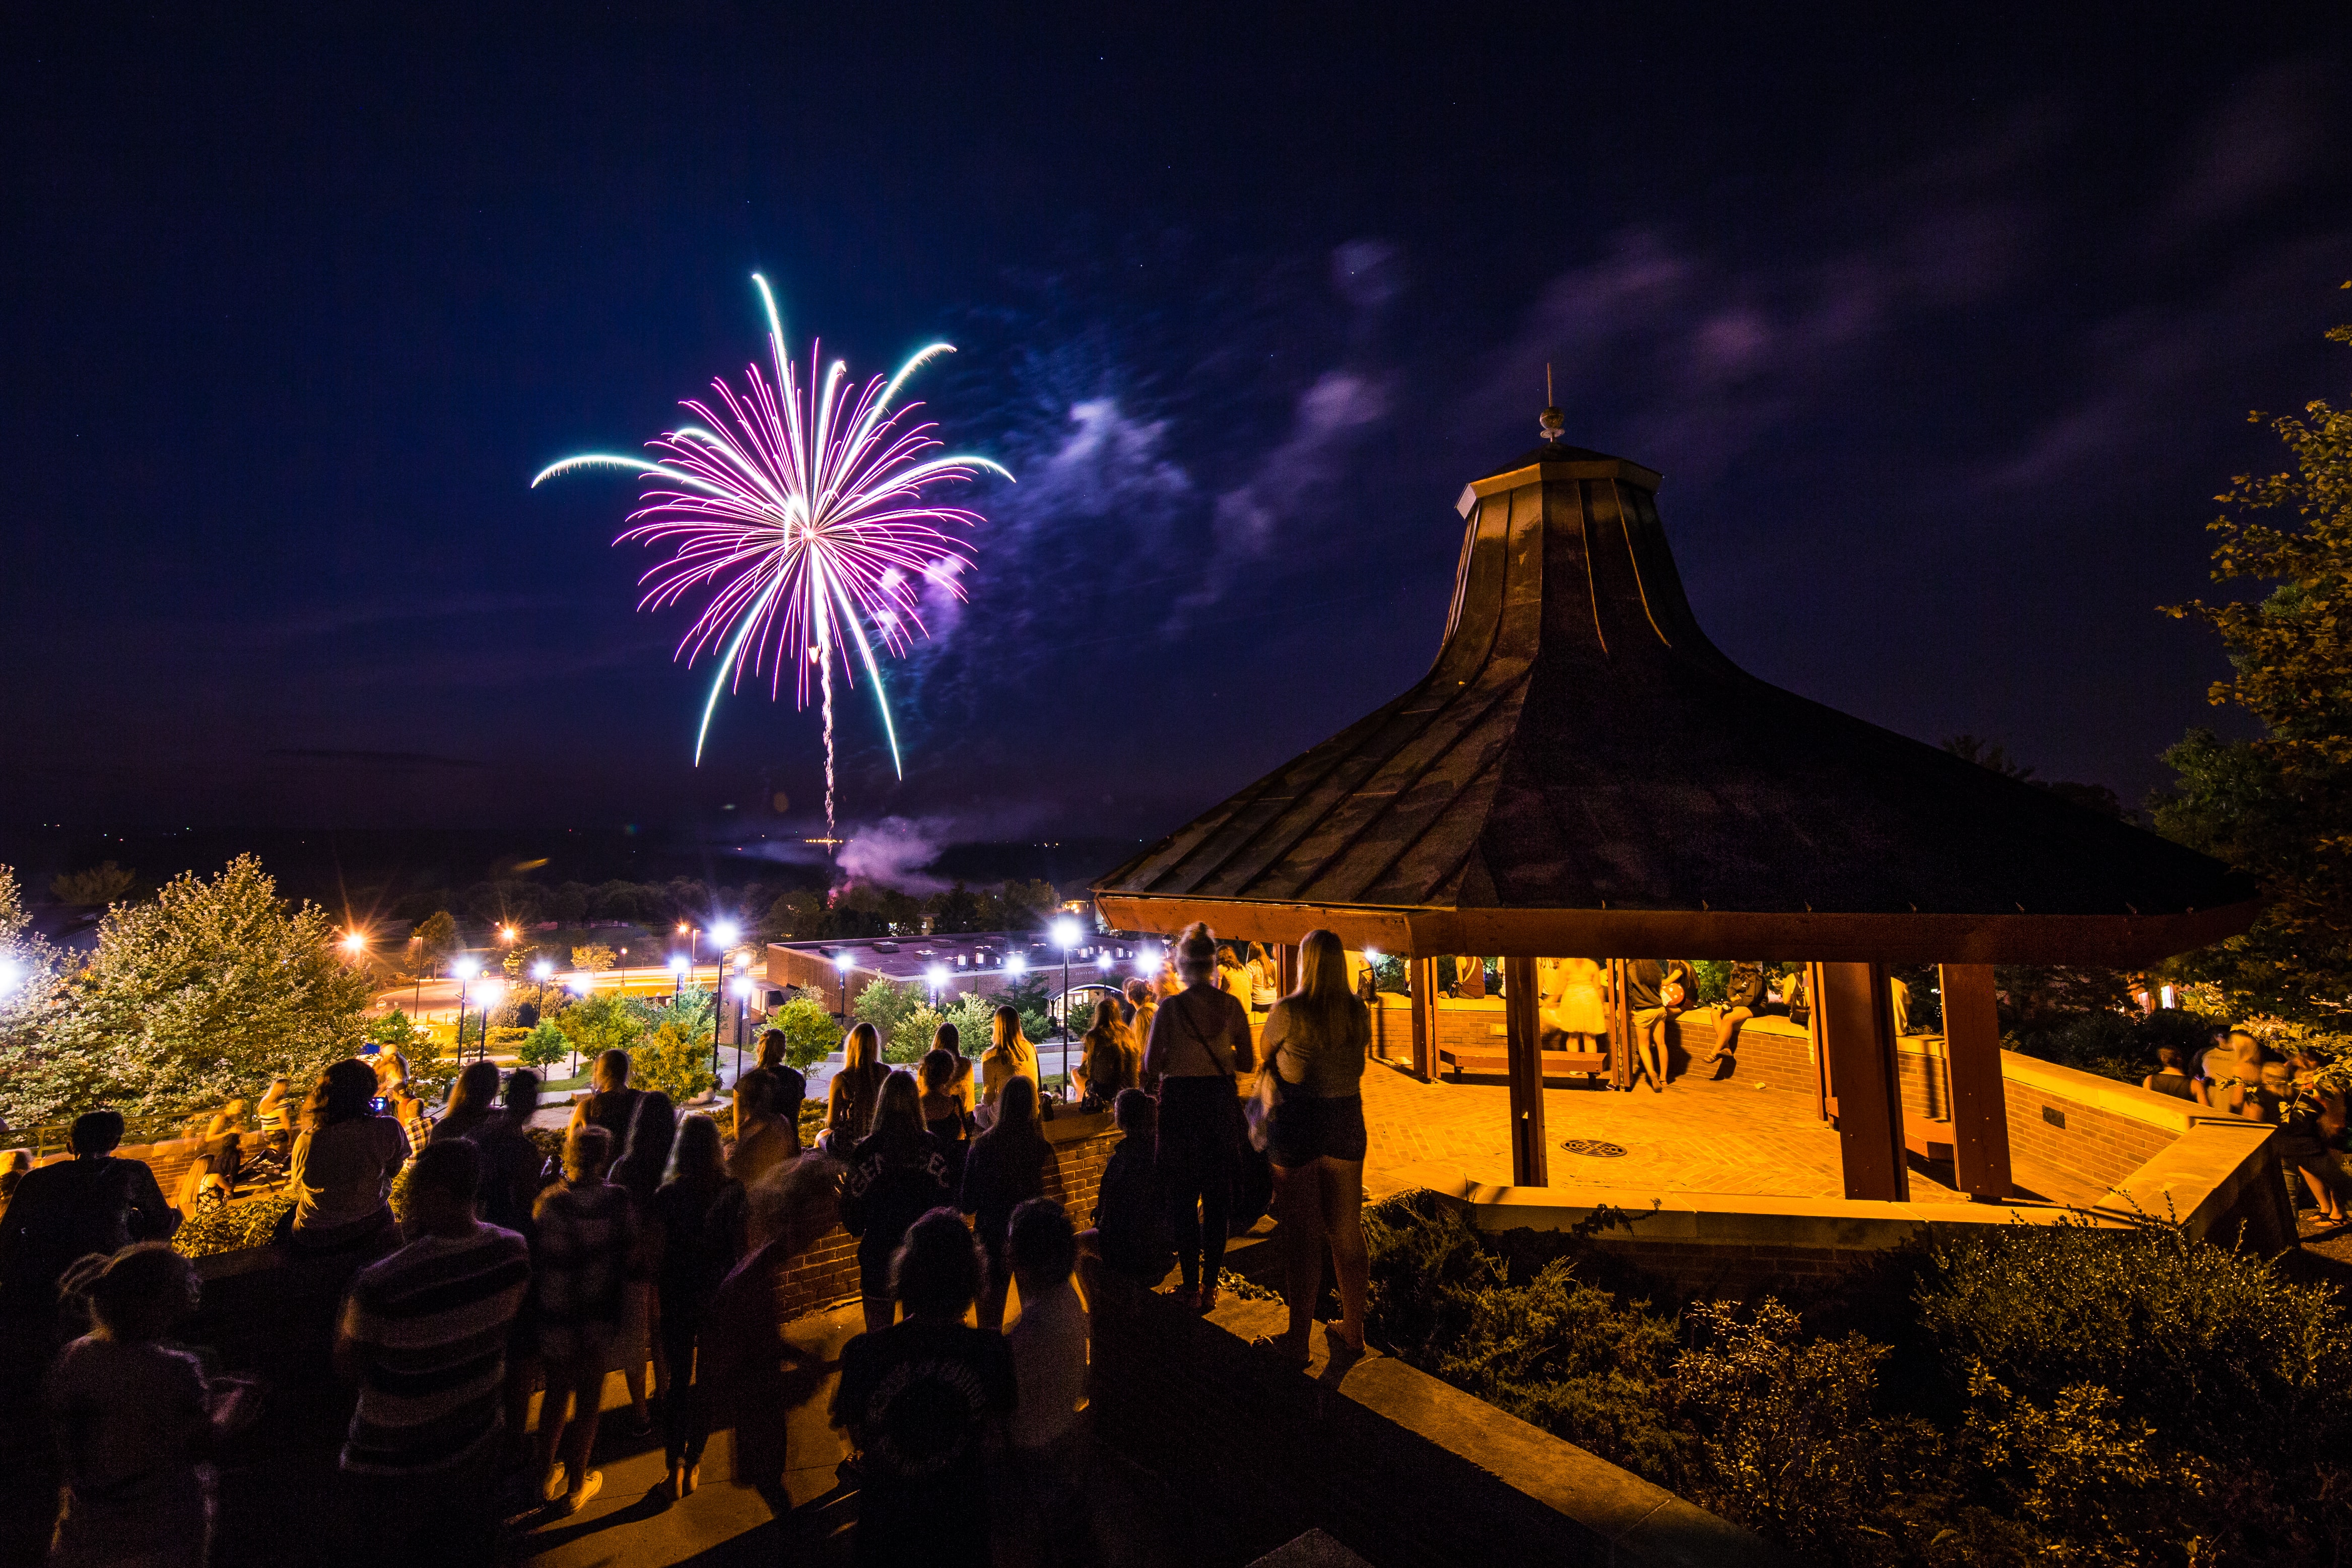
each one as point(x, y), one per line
point(799, 514)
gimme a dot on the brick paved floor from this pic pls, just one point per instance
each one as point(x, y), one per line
point(1697, 1137)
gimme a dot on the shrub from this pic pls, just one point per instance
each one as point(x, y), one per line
point(886, 1004)
point(232, 1228)
point(676, 1064)
point(810, 1033)
point(973, 1015)
point(912, 1035)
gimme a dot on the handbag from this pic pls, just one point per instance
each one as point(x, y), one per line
point(1257, 1111)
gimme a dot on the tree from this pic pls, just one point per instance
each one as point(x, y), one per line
point(801, 913)
point(595, 1024)
point(810, 1033)
point(674, 1061)
point(882, 1001)
point(544, 1046)
point(103, 883)
point(592, 959)
point(436, 938)
point(206, 991)
point(2279, 805)
point(956, 910)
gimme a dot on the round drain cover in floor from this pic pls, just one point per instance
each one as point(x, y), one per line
point(1594, 1147)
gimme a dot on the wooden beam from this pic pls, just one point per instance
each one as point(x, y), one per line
point(1621, 1028)
point(1423, 972)
point(2117, 940)
point(1525, 1047)
point(1972, 1058)
point(1824, 1092)
point(1858, 1035)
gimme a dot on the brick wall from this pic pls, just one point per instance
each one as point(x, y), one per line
point(2096, 1144)
point(1926, 1081)
point(828, 1271)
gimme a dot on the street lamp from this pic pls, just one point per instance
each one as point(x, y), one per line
point(843, 962)
point(492, 989)
point(11, 975)
point(543, 971)
point(722, 936)
point(1065, 931)
point(742, 1021)
point(416, 972)
point(693, 937)
point(679, 965)
point(465, 969)
point(938, 976)
point(581, 985)
point(355, 943)
point(1147, 962)
point(1016, 964)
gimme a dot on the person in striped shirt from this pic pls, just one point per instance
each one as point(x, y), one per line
point(423, 1335)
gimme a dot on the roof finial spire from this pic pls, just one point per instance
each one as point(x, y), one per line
point(1551, 420)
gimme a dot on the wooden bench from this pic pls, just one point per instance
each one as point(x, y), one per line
point(1497, 1063)
point(1931, 1140)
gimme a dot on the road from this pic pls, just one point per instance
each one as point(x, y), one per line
point(439, 999)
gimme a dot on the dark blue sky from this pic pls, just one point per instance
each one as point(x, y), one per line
point(1943, 334)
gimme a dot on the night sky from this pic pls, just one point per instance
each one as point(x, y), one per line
point(1943, 333)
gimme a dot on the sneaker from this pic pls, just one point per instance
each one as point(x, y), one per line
point(553, 1487)
point(573, 1501)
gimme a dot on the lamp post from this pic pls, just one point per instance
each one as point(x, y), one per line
point(938, 977)
point(543, 971)
point(416, 972)
point(492, 989)
point(1065, 931)
point(581, 986)
point(465, 969)
point(842, 963)
point(722, 936)
point(679, 965)
point(742, 1009)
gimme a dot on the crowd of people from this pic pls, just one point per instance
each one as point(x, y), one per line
point(2238, 1075)
point(481, 1272)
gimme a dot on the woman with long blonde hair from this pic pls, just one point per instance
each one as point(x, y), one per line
point(849, 1098)
point(1315, 1041)
point(1009, 1056)
point(1200, 1045)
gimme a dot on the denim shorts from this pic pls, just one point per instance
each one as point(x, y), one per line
point(1306, 1127)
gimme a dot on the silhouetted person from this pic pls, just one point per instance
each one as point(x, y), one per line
point(1049, 1366)
point(1317, 1040)
point(898, 1172)
point(473, 1100)
point(1004, 1168)
point(135, 1419)
point(514, 1168)
point(612, 1104)
point(66, 1210)
point(915, 1398)
point(581, 1261)
point(1200, 1044)
point(1132, 1233)
point(423, 1335)
point(344, 1160)
point(701, 1212)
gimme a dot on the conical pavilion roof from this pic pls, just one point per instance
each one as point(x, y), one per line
point(1581, 772)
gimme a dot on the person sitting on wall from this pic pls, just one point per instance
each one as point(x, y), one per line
point(66, 1210)
point(2281, 1099)
point(1743, 998)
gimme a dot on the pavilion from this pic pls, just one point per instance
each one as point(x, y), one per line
point(1583, 772)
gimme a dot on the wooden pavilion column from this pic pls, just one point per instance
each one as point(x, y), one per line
point(1421, 975)
point(1857, 1024)
point(1524, 1046)
point(1286, 967)
point(1621, 1028)
point(1973, 1060)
